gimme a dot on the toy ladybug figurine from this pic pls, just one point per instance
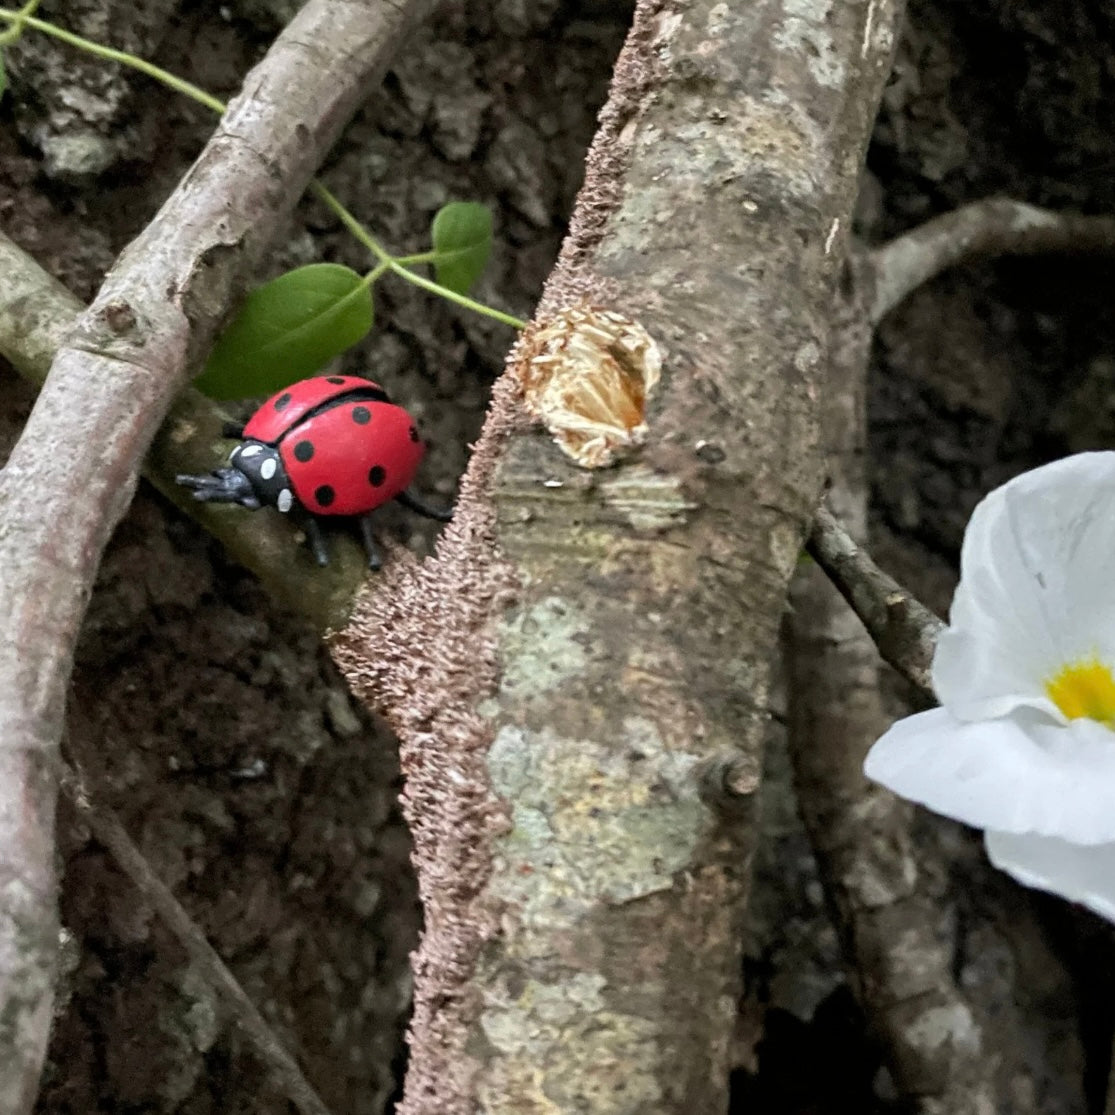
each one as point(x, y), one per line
point(327, 446)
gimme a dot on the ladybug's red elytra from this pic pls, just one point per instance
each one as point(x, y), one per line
point(326, 446)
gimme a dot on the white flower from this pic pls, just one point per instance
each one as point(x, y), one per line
point(1023, 745)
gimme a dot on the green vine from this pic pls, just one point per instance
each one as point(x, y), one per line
point(24, 18)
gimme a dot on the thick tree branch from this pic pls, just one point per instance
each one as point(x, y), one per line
point(583, 901)
point(36, 313)
point(893, 929)
point(71, 475)
point(957, 1046)
point(996, 227)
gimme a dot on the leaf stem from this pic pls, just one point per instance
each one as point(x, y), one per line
point(453, 296)
point(19, 19)
point(418, 257)
point(324, 195)
point(16, 29)
point(376, 273)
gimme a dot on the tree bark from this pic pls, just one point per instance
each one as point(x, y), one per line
point(954, 1042)
point(584, 881)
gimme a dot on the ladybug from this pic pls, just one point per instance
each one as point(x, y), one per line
point(326, 446)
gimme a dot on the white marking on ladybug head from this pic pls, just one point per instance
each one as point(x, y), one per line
point(285, 500)
point(268, 468)
point(249, 450)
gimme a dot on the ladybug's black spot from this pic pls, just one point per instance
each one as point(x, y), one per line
point(361, 415)
point(334, 379)
point(324, 495)
point(303, 451)
point(414, 433)
point(377, 475)
point(282, 401)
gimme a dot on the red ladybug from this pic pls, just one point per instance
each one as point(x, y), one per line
point(330, 445)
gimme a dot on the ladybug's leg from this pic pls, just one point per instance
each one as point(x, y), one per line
point(375, 558)
point(424, 509)
point(315, 539)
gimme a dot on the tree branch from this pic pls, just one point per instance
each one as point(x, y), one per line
point(953, 1044)
point(892, 927)
point(903, 629)
point(72, 473)
point(36, 313)
point(995, 227)
point(553, 750)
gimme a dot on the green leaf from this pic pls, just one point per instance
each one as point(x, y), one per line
point(462, 236)
point(3, 78)
point(288, 329)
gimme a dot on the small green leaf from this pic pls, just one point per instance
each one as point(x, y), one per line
point(3, 78)
point(287, 329)
point(462, 236)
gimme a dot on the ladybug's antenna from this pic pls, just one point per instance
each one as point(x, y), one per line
point(222, 485)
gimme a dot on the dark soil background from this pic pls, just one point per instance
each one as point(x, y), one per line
point(214, 724)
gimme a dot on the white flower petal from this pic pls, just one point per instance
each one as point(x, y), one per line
point(1036, 588)
point(1022, 773)
point(1082, 873)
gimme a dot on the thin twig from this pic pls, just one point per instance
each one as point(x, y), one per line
point(995, 227)
point(904, 629)
point(106, 827)
point(72, 473)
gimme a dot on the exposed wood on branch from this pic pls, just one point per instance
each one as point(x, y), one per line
point(109, 388)
point(553, 751)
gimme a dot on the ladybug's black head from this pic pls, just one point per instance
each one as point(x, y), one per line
point(255, 479)
point(263, 468)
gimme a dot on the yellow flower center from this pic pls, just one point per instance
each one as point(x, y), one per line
point(1084, 688)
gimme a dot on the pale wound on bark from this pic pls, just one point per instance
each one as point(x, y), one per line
point(587, 375)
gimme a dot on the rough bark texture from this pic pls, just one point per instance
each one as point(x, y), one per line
point(589, 957)
point(108, 390)
point(984, 373)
